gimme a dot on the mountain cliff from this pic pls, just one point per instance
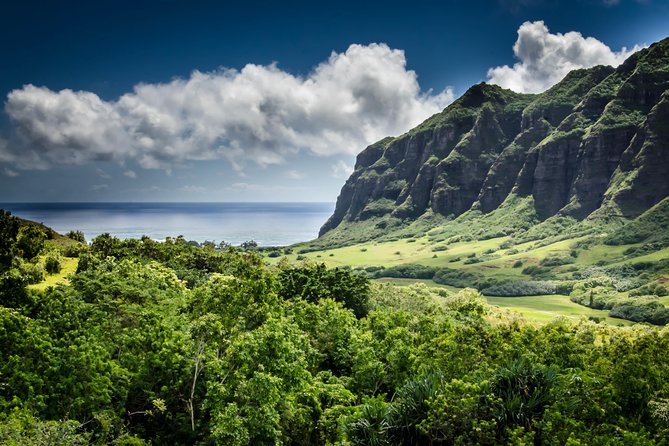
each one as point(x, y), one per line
point(596, 145)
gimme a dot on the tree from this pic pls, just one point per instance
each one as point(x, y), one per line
point(76, 236)
point(30, 241)
point(9, 229)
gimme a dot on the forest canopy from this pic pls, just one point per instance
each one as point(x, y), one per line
point(168, 343)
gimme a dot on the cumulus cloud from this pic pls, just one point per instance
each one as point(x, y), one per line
point(546, 58)
point(259, 114)
point(99, 187)
point(130, 174)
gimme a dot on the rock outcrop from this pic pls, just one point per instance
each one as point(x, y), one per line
point(595, 143)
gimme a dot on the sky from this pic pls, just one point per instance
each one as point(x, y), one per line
point(264, 101)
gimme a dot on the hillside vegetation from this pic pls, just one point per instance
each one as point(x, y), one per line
point(167, 343)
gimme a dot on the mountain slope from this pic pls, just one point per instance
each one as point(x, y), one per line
point(594, 146)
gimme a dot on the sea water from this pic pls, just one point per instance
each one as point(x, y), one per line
point(269, 224)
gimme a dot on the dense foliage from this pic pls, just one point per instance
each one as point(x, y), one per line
point(167, 343)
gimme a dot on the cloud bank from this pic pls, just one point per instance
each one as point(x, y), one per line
point(545, 58)
point(259, 114)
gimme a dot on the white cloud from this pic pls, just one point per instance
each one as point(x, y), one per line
point(259, 114)
point(102, 174)
point(99, 187)
point(294, 175)
point(341, 169)
point(11, 173)
point(545, 58)
point(194, 189)
point(130, 174)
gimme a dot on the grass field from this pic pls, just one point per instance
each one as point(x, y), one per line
point(68, 266)
point(540, 309)
point(547, 308)
point(491, 261)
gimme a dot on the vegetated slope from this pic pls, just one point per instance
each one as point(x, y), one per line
point(161, 343)
point(595, 146)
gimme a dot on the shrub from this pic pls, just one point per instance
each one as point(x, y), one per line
point(653, 289)
point(316, 282)
point(555, 261)
point(521, 288)
point(456, 278)
point(408, 271)
point(535, 270)
point(517, 263)
point(439, 248)
point(74, 250)
point(31, 272)
point(52, 263)
point(641, 311)
point(274, 254)
point(372, 269)
point(76, 235)
point(30, 241)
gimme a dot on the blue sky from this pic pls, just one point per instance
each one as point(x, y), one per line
point(263, 101)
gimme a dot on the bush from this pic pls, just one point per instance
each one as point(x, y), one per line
point(316, 282)
point(456, 278)
point(653, 289)
point(555, 261)
point(274, 254)
point(76, 235)
point(408, 271)
point(641, 311)
point(74, 250)
point(31, 272)
point(30, 241)
point(52, 263)
point(517, 263)
point(521, 288)
point(535, 270)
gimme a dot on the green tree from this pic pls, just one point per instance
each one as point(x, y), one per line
point(30, 241)
point(9, 229)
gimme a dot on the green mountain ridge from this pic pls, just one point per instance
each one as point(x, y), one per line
point(593, 148)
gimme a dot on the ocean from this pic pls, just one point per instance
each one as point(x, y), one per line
point(269, 224)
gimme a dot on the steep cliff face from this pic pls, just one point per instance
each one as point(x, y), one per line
point(597, 142)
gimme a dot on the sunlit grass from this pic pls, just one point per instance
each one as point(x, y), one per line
point(68, 266)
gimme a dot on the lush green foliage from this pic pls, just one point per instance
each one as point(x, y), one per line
point(167, 343)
